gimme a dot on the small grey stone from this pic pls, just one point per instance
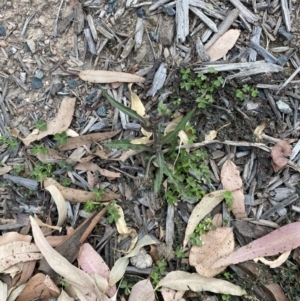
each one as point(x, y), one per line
point(36, 83)
point(283, 107)
point(101, 111)
point(39, 74)
point(2, 31)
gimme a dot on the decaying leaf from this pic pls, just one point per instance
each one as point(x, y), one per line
point(3, 291)
point(39, 286)
point(91, 262)
point(75, 142)
point(52, 156)
point(232, 181)
point(274, 263)
point(90, 166)
point(5, 169)
point(171, 295)
point(259, 130)
point(207, 203)
point(60, 203)
point(119, 268)
point(223, 44)
point(61, 265)
point(123, 230)
point(142, 290)
point(19, 251)
point(136, 103)
point(279, 152)
point(211, 135)
point(183, 281)
point(9, 237)
point(280, 240)
point(216, 244)
point(76, 195)
point(106, 77)
point(60, 123)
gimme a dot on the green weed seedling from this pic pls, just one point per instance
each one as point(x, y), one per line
point(127, 286)
point(41, 125)
point(11, 142)
point(113, 214)
point(39, 149)
point(61, 138)
point(66, 182)
point(246, 90)
point(66, 165)
point(203, 85)
point(94, 205)
point(228, 196)
point(158, 271)
point(179, 253)
point(202, 228)
point(42, 171)
point(18, 169)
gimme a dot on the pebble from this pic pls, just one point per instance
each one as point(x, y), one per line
point(101, 111)
point(141, 13)
point(39, 74)
point(91, 96)
point(2, 31)
point(72, 83)
point(31, 45)
point(36, 83)
point(283, 107)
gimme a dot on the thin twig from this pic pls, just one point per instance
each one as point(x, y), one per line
point(56, 19)
point(26, 23)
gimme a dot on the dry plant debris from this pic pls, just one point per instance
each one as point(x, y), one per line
point(109, 111)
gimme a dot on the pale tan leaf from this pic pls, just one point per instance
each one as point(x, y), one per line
point(94, 167)
point(142, 290)
point(277, 291)
point(54, 241)
point(27, 271)
point(15, 252)
point(60, 203)
point(183, 281)
point(183, 138)
point(274, 263)
point(75, 142)
point(211, 135)
point(15, 293)
point(215, 245)
point(12, 237)
point(59, 264)
point(39, 286)
point(76, 195)
point(223, 44)
point(119, 268)
point(123, 230)
point(52, 156)
point(259, 130)
point(142, 140)
point(5, 169)
point(232, 181)
point(71, 133)
point(170, 128)
point(106, 77)
point(64, 297)
point(3, 291)
point(13, 270)
point(171, 295)
point(42, 224)
point(60, 123)
point(145, 133)
point(205, 206)
point(136, 103)
point(217, 220)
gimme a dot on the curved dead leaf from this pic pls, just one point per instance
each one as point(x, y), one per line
point(94, 167)
point(216, 244)
point(60, 203)
point(39, 286)
point(76, 195)
point(206, 205)
point(183, 281)
point(61, 265)
point(6, 238)
point(211, 135)
point(60, 123)
point(105, 77)
point(259, 130)
point(223, 44)
point(5, 169)
point(64, 297)
point(142, 290)
point(3, 291)
point(136, 103)
point(279, 152)
point(232, 181)
point(171, 295)
point(281, 240)
point(274, 263)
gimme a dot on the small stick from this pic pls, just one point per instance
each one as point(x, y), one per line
point(289, 79)
point(26, 23)
point(56, 19)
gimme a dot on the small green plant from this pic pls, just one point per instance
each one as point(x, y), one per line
point(113, 213)
point(98, 194)
point(95, 205)
point(18, 169)
point(11, 142)
point(127, 286)
point(64, 283)
point(41, 125)
point(202, 228)
point(177, 101)
point(39, 149)
point(42, 171)
point(195, 240)
point(228, 199)
point(202, 85)
point(66, 165)
point(226, 297)
point(179, 253)
point(246, 90)
point(158, 270)
point(61, 138)
point(66, 182)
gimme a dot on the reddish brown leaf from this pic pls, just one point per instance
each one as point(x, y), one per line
point(279, 152)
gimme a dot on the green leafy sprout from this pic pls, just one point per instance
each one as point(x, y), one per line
point(246, 90)
point(11, 142)
point(228, 196)
point(61, 138)
point(41, 125)
point(94, 205)
point(39, 149)
point(42, 171)
point(113, 214)
point(202, 228)
point(158, 271)
point(127, 286)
